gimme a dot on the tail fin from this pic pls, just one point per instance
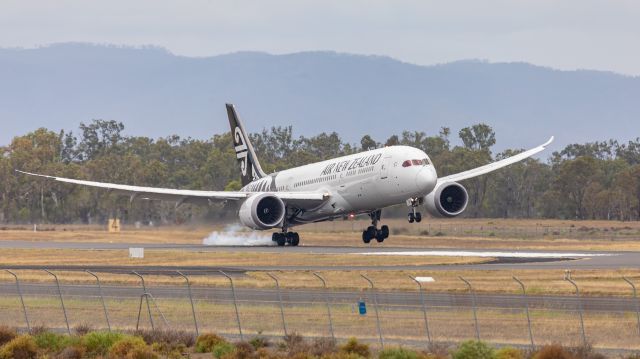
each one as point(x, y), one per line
point(249, 165)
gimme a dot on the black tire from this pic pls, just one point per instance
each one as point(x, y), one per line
point(295, 239)
point(281, 240)
point(365, 237)
point(385, 231)
point(418, 217)
point(380, 236)
point(412, 218)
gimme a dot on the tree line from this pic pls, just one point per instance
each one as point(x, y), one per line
point(596, 180)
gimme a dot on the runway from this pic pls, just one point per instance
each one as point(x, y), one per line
point(500, 259)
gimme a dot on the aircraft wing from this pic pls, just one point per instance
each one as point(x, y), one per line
point(298, 199)
point(495, 165)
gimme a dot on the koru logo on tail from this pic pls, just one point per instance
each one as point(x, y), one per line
point(242, 154)
point(241, 150)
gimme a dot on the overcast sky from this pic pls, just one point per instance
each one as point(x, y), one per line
point(565, 34)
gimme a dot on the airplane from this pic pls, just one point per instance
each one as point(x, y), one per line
point(357, 184)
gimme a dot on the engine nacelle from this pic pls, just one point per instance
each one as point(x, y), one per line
point(447, 200)
point(262, 211)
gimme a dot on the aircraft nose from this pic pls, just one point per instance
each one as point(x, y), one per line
point(426, 180)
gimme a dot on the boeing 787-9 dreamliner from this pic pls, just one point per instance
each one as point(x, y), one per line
point(362, 183)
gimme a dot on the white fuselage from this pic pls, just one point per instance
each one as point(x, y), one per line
point(356, 183)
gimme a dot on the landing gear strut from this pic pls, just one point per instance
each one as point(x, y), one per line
point(290, 238)
point(414, 216)
point(372, 232)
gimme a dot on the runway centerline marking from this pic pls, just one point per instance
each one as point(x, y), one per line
point(488, 254)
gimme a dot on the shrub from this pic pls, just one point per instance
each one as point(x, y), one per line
point(509, 353)
point(126, 346)
point(142, 353)
point(585, 352)
point(169, 336)
point(553, 351)
point(82, 329)
point(353, 347)
point(99, 343)
point(259, 342)
point(7, 334)
point(38, 329)
point(342, 355)
point(473, 349)
point(22, 347)
point(71, 352)
point(50, 341)
point(244, 350)
point(294, 343)
point(398, 353)
point(323, 347)
point(223, 349)
point(207, 342)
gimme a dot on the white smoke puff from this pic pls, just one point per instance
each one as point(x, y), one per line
point(235, 235)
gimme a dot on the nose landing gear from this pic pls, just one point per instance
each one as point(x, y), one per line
point(372, 232)
point(414, 216)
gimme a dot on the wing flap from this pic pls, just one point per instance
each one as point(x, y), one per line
point(495, 165)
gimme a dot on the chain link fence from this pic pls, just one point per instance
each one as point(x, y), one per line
point(410, 318)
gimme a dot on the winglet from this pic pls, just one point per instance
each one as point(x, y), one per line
point(548, 142)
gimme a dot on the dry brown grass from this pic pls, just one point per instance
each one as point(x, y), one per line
point(431, 233)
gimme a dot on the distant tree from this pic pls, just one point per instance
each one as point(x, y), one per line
point(478, 137)
point(368, 143)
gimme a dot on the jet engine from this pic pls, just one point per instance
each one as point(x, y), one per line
point(262, 211)
point(447, 200)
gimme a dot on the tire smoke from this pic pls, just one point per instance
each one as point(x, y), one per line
point(236, 235)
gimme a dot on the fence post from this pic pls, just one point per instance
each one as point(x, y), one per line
point(146, 297)
point(235, 303)
point(424, 308)
point(635, 298)
point(473, 301)
point(326, 297)
point(104, 305)
point(284, 323)
point(64, 310)
point(567, 277)
point(193, 308)
point(526, 308)
point(24, 308)
point(375, 303)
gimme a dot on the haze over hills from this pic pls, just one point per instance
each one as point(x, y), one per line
point(155, 93)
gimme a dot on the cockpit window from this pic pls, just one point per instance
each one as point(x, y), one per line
point(406, 163)
point(416, 162)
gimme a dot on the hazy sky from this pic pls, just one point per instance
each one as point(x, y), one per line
point(566, 34)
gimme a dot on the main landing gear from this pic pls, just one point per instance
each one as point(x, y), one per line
point(372, 232)
point(414, 216)
point(290, 238)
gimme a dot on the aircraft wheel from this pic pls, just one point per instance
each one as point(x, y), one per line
point(365, 237)
point(418, 217)
point(385, 231)
point(280, 239)
point(295, 239)
point(369, 234)
point(412, 218)
point(380, 236)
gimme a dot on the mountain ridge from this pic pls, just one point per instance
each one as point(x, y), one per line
point(156, 93)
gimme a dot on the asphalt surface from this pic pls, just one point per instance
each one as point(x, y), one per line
point(389, 300)
point(503, 259)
